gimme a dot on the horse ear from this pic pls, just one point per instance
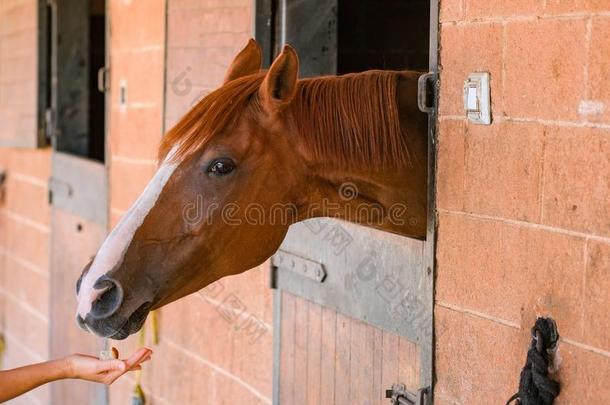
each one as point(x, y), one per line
point(247, 62)
point(280, 83)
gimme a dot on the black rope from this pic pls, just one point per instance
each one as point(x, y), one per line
point(535, 385)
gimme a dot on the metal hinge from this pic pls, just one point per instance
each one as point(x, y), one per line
point(399, 395)
point(283, 260)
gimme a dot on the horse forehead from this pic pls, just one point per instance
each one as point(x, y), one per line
point(246, 139)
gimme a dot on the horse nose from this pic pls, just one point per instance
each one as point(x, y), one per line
point(82, 274)
point(109, 299)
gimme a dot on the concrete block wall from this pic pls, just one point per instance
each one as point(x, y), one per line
point(524, 204)
point(24, 209)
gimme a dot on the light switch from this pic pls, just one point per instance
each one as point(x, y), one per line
point(477, 98)
point(472, 103)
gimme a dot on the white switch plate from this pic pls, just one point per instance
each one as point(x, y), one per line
point(477, 101)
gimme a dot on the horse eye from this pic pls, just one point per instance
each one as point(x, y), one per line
point(221, 167)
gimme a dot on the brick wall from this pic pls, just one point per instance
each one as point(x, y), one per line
point(18, 72)
point(24, 211)
point(136, 53)
point(524, 204)
point(215, 345)
point(24, 262)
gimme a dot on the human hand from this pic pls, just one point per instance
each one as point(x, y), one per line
point(91, 368)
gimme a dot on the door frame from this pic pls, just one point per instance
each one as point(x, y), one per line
point(264, 19)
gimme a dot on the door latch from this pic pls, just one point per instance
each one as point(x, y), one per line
point(399, 395)
point(425, 92)
point(103, 79)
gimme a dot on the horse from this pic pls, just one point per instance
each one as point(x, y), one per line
point(263, 151)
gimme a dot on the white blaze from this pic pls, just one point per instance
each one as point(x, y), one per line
point(114, 247)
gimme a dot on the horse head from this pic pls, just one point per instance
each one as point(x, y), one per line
point(251, 158)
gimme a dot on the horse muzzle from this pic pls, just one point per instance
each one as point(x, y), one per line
point(115, 326)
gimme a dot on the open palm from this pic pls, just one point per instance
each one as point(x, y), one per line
point(91, 368)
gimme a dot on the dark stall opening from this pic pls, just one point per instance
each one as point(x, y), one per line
point(383, 34)
point(97, 61)
point(78, 49)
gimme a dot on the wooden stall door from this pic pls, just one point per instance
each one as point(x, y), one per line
point(76, 236)
point(78, 186)
point(353, 309)
point(330, 358)
point(353, 315)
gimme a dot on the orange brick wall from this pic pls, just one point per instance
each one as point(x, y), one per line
point(24, 209)
point(136, 54)
point(24, 261)
point(207, 354)
point(524, 204)
point(18, 72)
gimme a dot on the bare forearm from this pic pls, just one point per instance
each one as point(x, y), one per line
point(20, 380)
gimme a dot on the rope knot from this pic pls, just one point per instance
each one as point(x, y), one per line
point(535, 385)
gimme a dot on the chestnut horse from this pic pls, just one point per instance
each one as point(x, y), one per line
point(263, 140)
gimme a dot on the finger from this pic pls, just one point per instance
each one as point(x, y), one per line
point(131, 364)
point(138, 357)
point(112, 365)
point(141, 361)
point(85, 356)
point(141, 352)
point(112, 376)
point(88, 356)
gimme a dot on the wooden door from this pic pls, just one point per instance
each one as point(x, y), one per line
point(77, 233)
point(78, 186)
point(353, 315)
point(353, 309)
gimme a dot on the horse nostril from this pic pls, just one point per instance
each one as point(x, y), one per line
point(81, 323)
point(110, 299)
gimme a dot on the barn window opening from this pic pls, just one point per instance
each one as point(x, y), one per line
point(78, 58)
point(386, 34)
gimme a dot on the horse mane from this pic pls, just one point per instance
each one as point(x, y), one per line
point(349, 120)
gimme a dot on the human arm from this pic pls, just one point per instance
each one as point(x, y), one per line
point(78, 366)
